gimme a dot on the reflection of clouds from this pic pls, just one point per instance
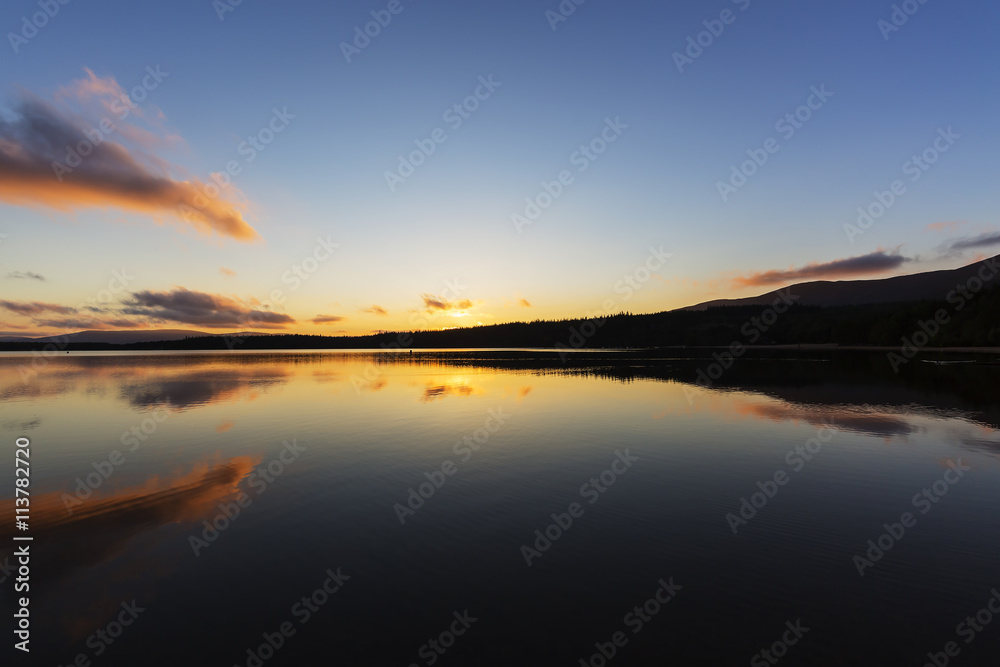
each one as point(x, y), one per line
point(26, 425)
point(976, 437)
point(327, 375)
point(225, 426)
point(177, 383)
point(100, 526)
point(13, 388)
point(104, 547)
point(873, 420)
point(991, 447)
point(199, 388)
point(518, 393)
point(433, 392)
point(373, 386)
point(860, 419)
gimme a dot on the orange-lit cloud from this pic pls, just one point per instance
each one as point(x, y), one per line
point(49, 157)
point(327, 319)
point(226, 272)
point(375, 309)
point(879, 261)
point(201, 309)
point(524, 303)
point(942, 226)
point(440, 304)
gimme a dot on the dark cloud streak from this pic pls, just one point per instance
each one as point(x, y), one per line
point(879, 261)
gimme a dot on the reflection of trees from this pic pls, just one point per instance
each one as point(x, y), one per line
point(808, 377)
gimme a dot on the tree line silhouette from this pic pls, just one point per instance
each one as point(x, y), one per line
point(976, 324)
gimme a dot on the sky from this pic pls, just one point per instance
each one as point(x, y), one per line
point(345, 168)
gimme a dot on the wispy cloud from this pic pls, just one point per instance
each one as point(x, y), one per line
point(984, 240)
point(524, 303)
point(439, 304)
point(115, 170)
point(375, 309)
point(25, 275)
point(326, 319)
point(879, 261)
point(88, 323)
point(226, 272)
point(32, 308)
point(943, 226)
point(8, 325)
point(201, 309)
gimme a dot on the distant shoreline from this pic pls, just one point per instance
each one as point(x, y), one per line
point(15, 349)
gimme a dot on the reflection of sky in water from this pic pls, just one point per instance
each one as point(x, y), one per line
point(372, 429)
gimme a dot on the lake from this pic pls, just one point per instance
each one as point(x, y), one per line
point(506, 508)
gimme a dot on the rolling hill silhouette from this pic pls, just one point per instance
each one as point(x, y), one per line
point(931, 286)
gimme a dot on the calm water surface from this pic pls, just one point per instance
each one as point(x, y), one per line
point(206, 500)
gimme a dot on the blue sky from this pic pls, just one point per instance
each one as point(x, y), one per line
point(450, 223)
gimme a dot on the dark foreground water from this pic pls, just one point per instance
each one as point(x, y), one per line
point(503, 509)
